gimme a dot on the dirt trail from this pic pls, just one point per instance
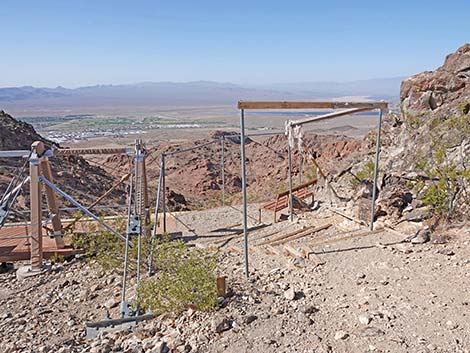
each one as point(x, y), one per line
point(368, 296)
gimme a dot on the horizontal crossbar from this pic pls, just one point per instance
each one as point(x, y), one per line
point(15, 154)
point(310, 105)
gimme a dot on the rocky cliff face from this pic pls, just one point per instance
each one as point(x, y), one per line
point(428, 143)
point(443, 92)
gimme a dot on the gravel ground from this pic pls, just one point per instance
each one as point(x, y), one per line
point(372, 294)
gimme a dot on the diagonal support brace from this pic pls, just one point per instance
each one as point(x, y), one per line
point(81, 207)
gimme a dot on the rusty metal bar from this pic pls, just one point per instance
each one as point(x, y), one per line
point(289, 172)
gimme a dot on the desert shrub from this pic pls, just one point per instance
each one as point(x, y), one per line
point(444, 161)
point(415, 122)
point(365, 173)
point(101, 245)
point(184, 277)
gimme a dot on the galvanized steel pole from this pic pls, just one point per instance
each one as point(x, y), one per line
point(154, 232)
point(124, 308)
point(376, 171)
point(222, 142)
point(243, 160)
point(164, 193)
point(291, 197)
point(139, 160)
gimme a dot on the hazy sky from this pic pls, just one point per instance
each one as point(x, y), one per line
point(73, 42)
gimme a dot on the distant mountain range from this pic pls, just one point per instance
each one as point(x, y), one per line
point(188, 94)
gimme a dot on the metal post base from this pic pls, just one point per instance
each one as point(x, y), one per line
point(24, 272)
point(93, 329)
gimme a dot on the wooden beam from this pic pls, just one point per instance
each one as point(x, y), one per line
point(290, 251)
point(81, 151)
point(35, 206)
point(309, 105)
point(271, 251)
point(345, 236)
point(52, 204)
point(294, 235)
point(301, 235)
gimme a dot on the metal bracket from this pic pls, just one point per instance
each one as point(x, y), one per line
point(135, 226)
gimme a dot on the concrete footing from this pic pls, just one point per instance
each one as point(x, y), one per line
point(24, 272)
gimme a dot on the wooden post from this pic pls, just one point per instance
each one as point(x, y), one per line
point(275, 209)
point(221, 286)
point(52, 203)
point(35, 206)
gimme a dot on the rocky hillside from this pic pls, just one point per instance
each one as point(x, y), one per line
point(74, 175)
point(425, 151)
point(443, 92)
point(196, 175)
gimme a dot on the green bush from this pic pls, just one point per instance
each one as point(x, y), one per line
point(184, 277)
point(444, 162)
point(363, 174)
point(101, 245)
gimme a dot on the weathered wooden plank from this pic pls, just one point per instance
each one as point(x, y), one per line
point(309, 105)
point(294, 235)
point(269, 241)
point(301, 235)
point(290, 251)
point(82, 151)
point(346, 236)
point(271, 251)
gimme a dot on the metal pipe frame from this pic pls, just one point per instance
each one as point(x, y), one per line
point(124, 308)
point(164, 192)
point(352, 108)
point(154, 232)
point(222, 167)
point(291, 195)
point(376, 169)
point(243, 160)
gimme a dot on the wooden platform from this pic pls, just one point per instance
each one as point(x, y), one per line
point(15, 245)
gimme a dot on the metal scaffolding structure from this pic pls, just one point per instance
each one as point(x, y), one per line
point(349, 108)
